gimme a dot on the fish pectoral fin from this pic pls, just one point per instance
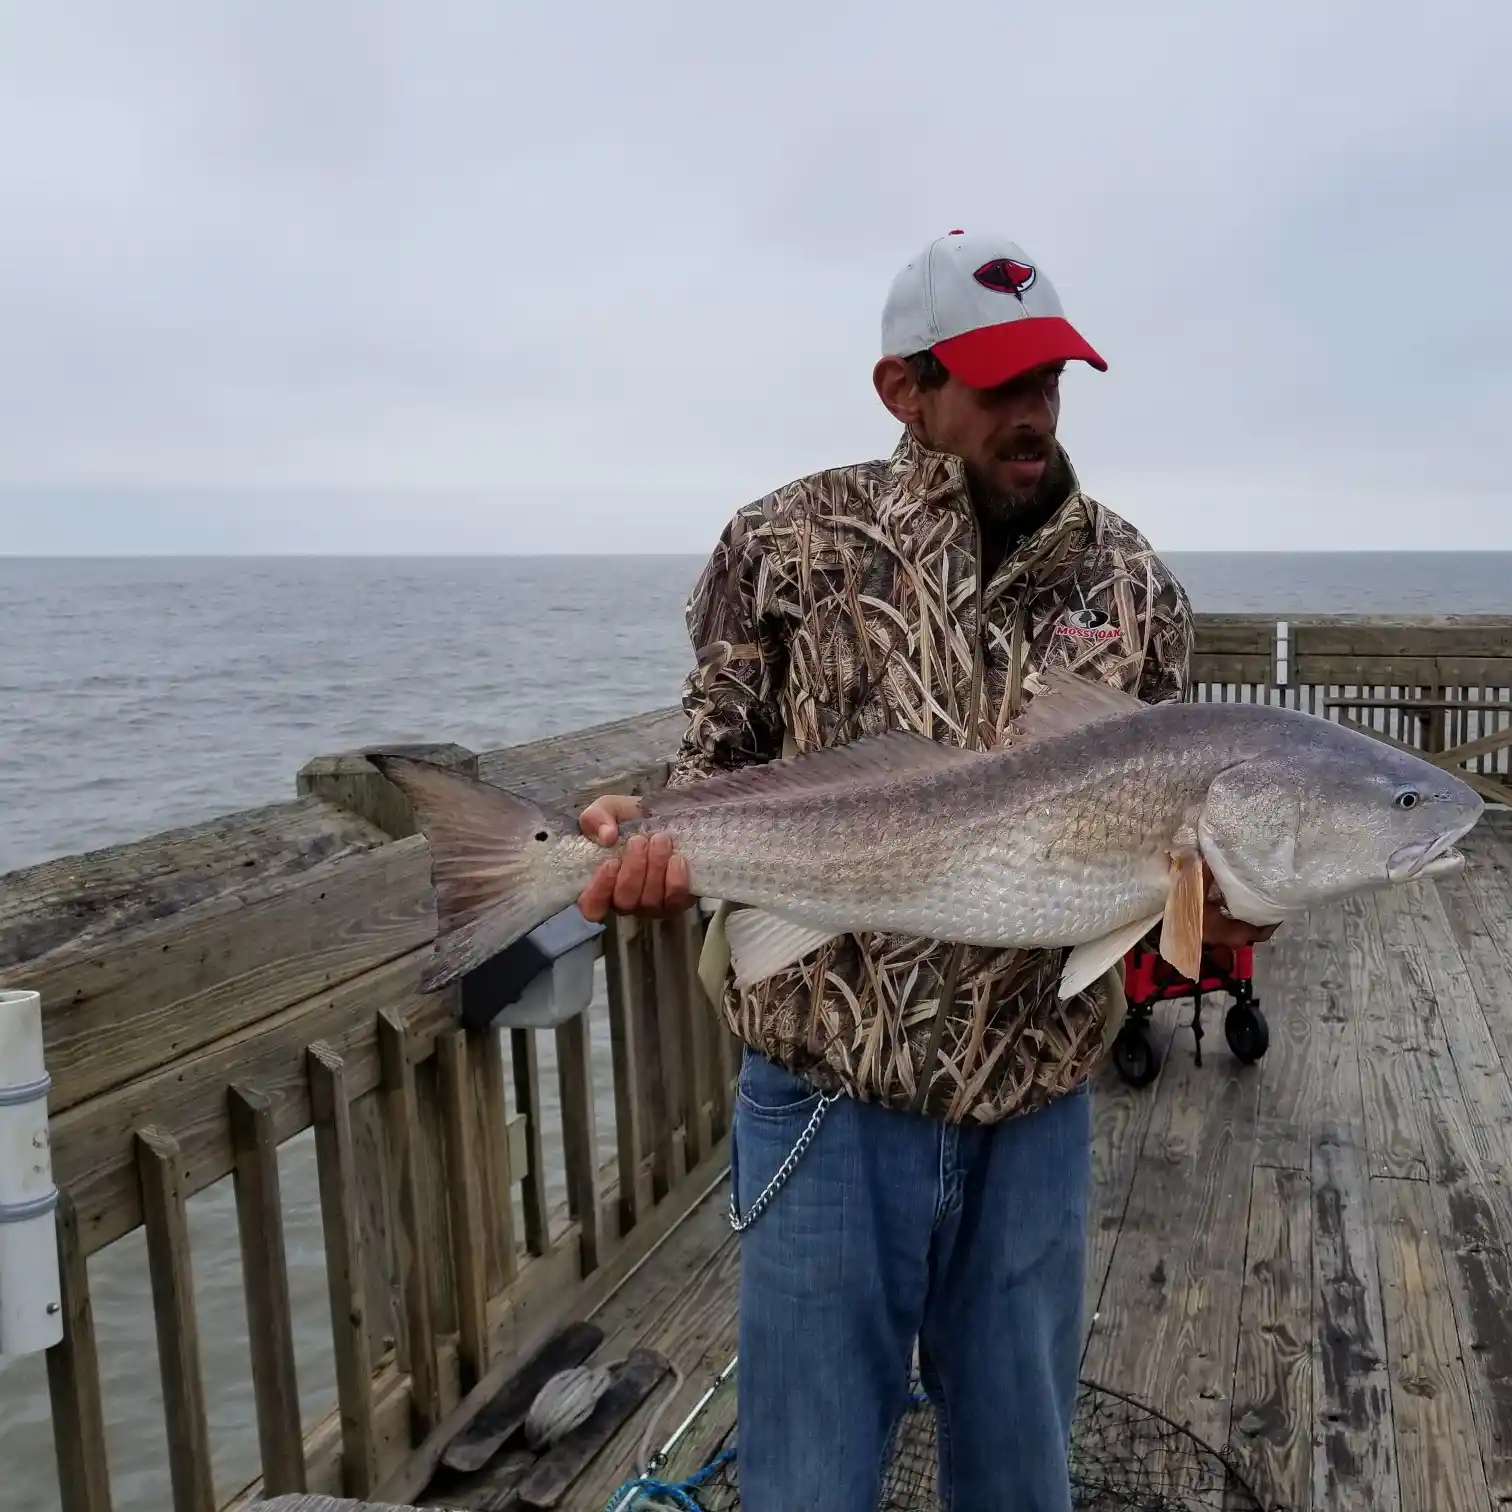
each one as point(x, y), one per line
point(1089, 961)
point(1181, 924)
point(762, 943)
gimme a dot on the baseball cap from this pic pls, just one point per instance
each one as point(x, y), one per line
point(982, 305)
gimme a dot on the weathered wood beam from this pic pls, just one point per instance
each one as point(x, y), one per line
point(103, 893)
point(115, 1010)
point(348, 780)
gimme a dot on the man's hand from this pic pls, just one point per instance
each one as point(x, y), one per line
point(1219, 929)
point(650, 880)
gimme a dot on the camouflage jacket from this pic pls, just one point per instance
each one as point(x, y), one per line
point(849, 602)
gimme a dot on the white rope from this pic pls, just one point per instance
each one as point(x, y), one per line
point(567, 1401)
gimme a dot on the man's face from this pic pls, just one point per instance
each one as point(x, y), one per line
point(1004, 435)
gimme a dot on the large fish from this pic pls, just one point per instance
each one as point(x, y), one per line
point(1083, 831)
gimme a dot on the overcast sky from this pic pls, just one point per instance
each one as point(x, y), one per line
point(506, 277)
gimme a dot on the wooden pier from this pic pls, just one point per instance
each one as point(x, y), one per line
point(1308, 1260)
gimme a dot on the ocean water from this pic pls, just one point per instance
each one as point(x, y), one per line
point(140, 694)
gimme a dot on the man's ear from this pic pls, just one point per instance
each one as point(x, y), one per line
point(898, 390)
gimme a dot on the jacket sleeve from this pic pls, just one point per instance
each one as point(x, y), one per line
point(1167, 670)
point(731, 696)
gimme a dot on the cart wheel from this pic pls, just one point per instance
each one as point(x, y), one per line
point(1246, 1031)
point(1134, 1056)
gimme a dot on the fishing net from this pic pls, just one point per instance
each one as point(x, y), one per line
point(1125, 1457)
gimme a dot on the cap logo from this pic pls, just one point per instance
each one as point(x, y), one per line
point(1005, 276)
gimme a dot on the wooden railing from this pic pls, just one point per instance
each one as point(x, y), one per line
point(214, 994)
point(211, 995)
point(1438, 684)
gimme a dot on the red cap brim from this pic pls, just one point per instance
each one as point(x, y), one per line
point(991, 355)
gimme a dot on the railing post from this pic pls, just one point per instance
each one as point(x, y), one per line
point(344, 1244)
point(580, 1136)
point(414, 1244)
point(73, 1381)
point(265, 1279)
point(625, 985)
point(166, 1221)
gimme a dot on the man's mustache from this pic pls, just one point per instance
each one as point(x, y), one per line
point(1023, 444)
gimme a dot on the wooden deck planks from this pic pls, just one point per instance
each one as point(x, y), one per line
point(1389, 1036)
point(1440, 1465)
point(1466, 1089)
point(1296, 977)
point(1354, 1446)
point(1272, 1414)
point(1120, 1117)
point(1168, 1325)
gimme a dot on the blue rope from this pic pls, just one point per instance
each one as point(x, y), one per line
point(677, 1491)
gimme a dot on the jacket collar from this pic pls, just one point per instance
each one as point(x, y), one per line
point(920, 475)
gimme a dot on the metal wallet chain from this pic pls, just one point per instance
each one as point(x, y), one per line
point(784, 1170)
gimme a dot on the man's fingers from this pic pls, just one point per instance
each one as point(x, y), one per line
point(595, 899)
point(597, 823)
point(601, 819)
point(647, 878)
point(632, 876)
point(654, 886)
point(679, 885)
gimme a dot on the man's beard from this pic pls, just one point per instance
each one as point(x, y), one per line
point(1021, 511)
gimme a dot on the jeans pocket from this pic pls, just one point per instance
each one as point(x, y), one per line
point(769, 1091)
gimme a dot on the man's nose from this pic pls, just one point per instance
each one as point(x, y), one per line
point(1033, 406)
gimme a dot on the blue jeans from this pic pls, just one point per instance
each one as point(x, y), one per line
point(894, 1228)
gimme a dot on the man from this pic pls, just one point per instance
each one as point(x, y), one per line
point(930, 1102)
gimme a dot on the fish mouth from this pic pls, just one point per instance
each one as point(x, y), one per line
point(1436, 857)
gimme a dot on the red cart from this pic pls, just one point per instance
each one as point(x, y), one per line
point(1149, 979)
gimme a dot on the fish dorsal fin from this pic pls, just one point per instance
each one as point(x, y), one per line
point(1068, 702)
point(873, 758)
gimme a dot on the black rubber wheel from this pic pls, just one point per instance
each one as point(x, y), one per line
point(1134, 1056)
point(1246, 1031)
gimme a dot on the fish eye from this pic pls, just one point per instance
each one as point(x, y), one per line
point(542, 835)
point(1407, 799)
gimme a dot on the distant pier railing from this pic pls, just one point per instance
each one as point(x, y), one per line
point(1437, 684)
point(213, 993)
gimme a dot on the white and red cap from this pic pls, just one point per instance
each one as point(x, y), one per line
point(984, 308)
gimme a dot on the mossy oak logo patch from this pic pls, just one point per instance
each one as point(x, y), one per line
point(1087, 624)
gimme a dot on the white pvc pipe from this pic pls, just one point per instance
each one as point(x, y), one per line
point(31, 1303)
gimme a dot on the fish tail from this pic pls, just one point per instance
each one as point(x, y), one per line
point(496, 862)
